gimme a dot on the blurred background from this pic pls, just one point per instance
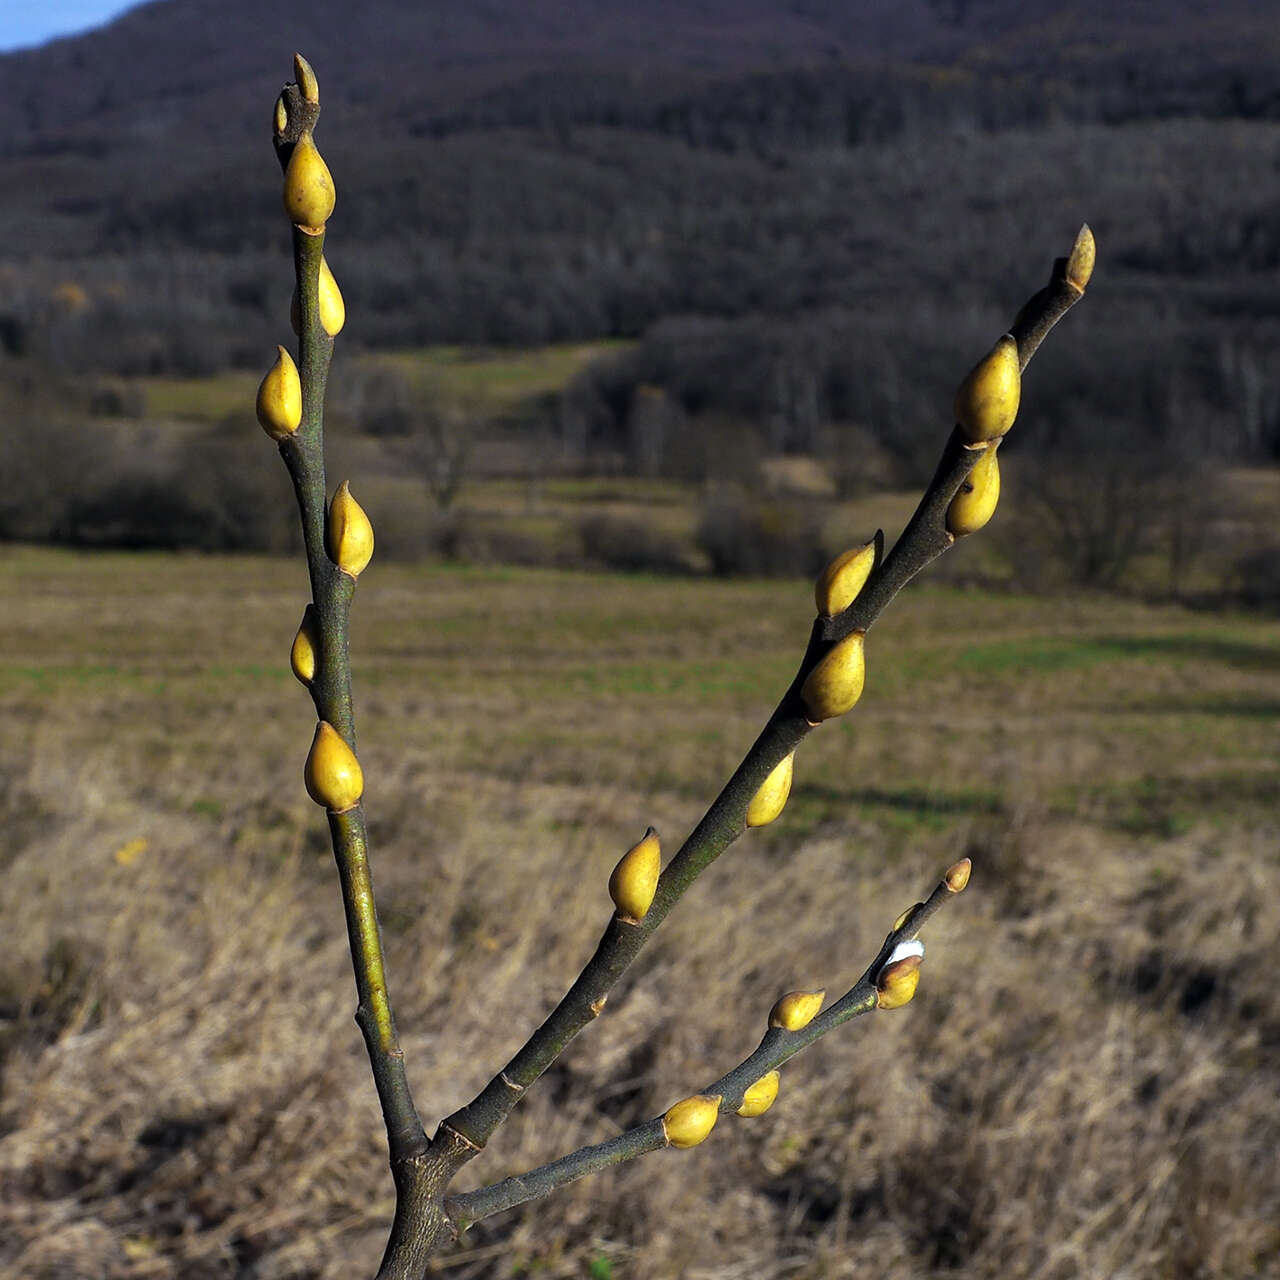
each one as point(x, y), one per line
point(651, 310)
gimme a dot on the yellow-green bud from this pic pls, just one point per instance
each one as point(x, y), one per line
point(900, 975)
point(308, 187)
point(333, 311)
point(305, 78)
point(957, 875)
point(635, 879)
point(835, 684)
point(796, 1009)
point(306, 644)
point(760, 1096)
point(690, 1121)
point(975, 500)
point(281, 117)
point(333, 774)
point(839, 583)
point(280, 398)
point(349, 534)
point(771, 799)
point(987, 400)
point(1083, 255)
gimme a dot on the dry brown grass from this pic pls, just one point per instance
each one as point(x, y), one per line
point(1084, 1087)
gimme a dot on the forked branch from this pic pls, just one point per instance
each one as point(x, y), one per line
point(851, 595)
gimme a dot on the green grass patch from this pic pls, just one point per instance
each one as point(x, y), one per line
point(1063, 653)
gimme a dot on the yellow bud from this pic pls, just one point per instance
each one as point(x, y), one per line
point(897, 980)
point(306, 644)
point(760, 1096)
point(689, 1122)
point(771, 799)
point(975, 500)
point(796, 1009)
point(305, 78)
point(333, 774)
point(835, 684)
point(957, 875)
point(333, 311)
point(987, 400)
point(1083, 255)
point(635, 879)
point(838, 586)
point(280, 398)
point(308, 187)
point(349, 534)
point(281, 117)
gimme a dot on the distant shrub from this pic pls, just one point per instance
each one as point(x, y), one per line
point(774, 537)
point(630, 546)
point(1256, 576)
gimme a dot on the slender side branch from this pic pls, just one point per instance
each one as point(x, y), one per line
point(924, 539)
point(778, 1046)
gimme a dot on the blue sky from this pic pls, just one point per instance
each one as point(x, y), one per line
point(28, 22)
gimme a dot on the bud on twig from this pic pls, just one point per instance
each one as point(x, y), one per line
point(1083, 254)
point(796, 1009)
point(306, 644)
point(348, 533)
point(835, 684)
point(760, 1096)
point(306, 79)
point(957, 875)
point(333, 774)
point(900, 975)
point(987, 400)
point(839, 583)
point(333, 311)
point(280, 118)
point(771, 799)
point(975, 500)
point(309, 196)
point(689, 1122)
point(635, 879)
point(280, 398)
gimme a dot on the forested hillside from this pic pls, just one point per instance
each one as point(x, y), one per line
point(805, 218)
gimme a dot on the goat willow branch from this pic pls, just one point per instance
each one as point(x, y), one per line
point(926, 537)
point(851, 595)
point(338, 542)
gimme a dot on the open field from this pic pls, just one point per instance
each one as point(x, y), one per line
point(1085, 1085)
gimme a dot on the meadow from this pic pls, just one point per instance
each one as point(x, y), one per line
point(1084, 1085)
